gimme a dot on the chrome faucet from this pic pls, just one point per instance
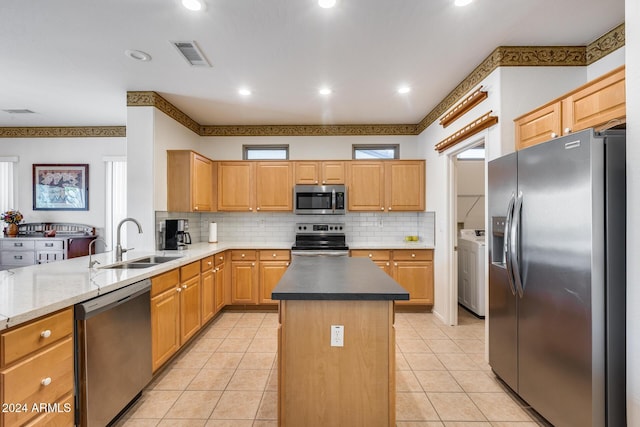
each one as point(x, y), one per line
point(91, 262)
point(119, 250)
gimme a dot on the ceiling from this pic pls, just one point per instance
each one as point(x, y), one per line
point(65, 60)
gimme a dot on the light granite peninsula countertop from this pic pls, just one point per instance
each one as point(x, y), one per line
point(33, 291)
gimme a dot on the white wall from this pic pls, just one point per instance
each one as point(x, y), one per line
point(304, 147)
point(62, 150)
point(470, 193)
point(512, 92)
point(632, 17)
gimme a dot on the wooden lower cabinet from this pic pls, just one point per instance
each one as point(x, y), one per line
point(165, 317)
point(412, 269)
point(273, 264)
point(190, 309)
point(37, 372)
point(254, 274)
point(208, 288)
point(320, 385)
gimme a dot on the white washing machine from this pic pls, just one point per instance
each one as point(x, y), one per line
point(471, 268)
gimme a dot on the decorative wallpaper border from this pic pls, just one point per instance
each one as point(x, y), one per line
point(308, 130)
point(64, 132)
point(503, 56)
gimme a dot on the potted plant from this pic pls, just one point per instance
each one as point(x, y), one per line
point(13, 218)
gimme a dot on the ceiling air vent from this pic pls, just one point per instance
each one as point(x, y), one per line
point(192, 53)
point(19, 111)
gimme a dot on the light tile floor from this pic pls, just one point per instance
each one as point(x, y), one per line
point(227, 377)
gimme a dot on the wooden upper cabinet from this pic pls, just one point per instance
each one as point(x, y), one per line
point(247, 186)
point(190, 182)
point(236, 183)
point(274, 186)
point(405, 185)
point(539, 126)
point(594, 104)
point(320, 173)
point(387, 185)
point(365, 186)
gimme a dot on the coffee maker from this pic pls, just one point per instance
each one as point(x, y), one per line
point(176, 234)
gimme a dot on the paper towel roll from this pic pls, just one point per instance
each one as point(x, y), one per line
point(213, 232)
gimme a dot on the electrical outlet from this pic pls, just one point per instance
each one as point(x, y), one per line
point(337, 335)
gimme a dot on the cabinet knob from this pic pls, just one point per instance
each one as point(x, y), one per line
point(567, 130)
point(258, 208)
point(242, 255)
point(184, 286)
point(178, 289)
point(316, 181)
point(554, 135)
point(208, 262)
point(220, 258)
point(287, 264)
point(46, 333)
point(274, 255)
point(413, 255)
point(324, 182)
point(195, 208)
point(253, 264)
point(370, 255)
point(395, 264)
point(250, 209)
point(46, 381)
point(388, 264)
point(389, 208)
point(382, 208)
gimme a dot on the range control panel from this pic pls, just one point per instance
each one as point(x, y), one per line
point(313, 228)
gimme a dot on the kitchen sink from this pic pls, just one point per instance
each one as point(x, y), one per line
point(142, 262)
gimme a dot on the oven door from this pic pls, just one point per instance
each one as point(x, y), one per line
point(319, 199)
point(320, 253)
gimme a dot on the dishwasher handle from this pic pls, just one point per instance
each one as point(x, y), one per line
point(97, 305)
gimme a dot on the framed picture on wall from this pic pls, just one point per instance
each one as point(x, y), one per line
point(61, 187)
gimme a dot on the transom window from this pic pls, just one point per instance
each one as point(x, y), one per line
point(265, 152)
point(377, 151)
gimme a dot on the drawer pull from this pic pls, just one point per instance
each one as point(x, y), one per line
point(242, 255)
point(208, 262)
point(274, 255)
point(18, 245)
point(17, 257)
point(48, 245)
point(221, 258)
point(413, 255)
point(46, 381)
point(46, 333)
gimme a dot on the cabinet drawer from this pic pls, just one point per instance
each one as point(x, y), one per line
point(411, 255)
point(188, 271)
point(375, 255)
point(43, 378)
point(17, 258)
point(206, 264)
point(17, 244)
point(162, 282)
point(219, 258)
point(26, 339)
point(61, 415)
point(54, 245)
point(275, 255)
point(243, 255)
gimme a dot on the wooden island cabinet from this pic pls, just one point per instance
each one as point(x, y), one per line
point(343, 378)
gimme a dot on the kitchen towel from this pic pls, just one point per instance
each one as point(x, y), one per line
point(213, 232)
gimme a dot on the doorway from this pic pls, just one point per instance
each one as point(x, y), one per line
point(467, 203)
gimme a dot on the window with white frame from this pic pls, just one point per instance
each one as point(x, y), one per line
point(265, 152)
point(377, 151)
point(7, 183)
point(116, 199)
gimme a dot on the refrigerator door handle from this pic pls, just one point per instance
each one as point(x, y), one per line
point(507, 243)
point(514, 238)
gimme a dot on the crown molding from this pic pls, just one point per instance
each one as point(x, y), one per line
point(64, 132)
point(309, 130)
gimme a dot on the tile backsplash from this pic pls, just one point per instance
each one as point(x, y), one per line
point(361, 227)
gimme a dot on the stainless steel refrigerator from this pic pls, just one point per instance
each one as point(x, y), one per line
point(557, 277)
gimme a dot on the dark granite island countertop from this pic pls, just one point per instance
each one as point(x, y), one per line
point(337, 278)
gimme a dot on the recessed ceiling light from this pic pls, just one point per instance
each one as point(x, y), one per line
point(244, 91)
point(326, 4)
point(404, 89)
point(324, 91)
point(138, 55)
point(194, 5)
point(462, 2)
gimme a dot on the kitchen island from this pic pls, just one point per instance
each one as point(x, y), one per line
point(336, 343)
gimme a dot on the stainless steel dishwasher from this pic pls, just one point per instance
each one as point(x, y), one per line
point(113, 359)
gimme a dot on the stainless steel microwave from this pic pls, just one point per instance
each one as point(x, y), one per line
point(320, 199)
